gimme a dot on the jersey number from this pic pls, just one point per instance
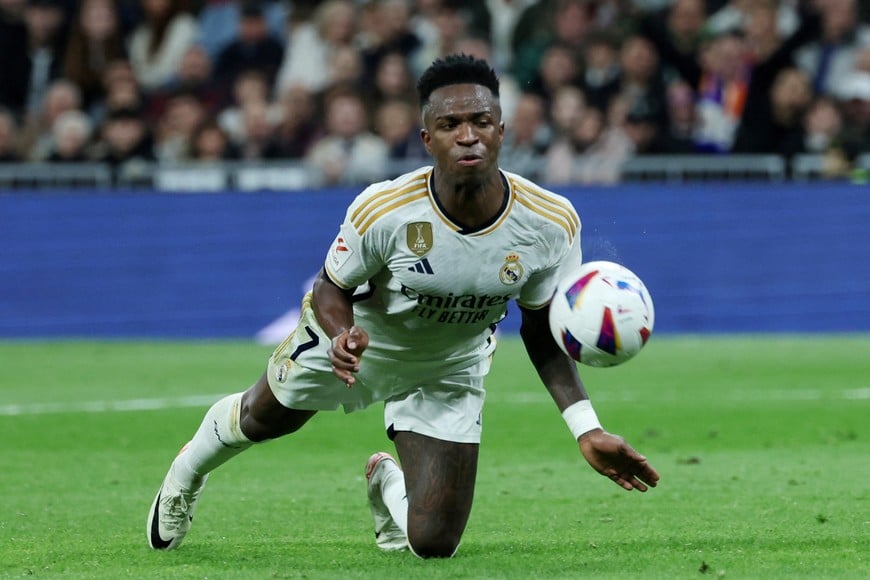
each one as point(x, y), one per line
point(315, 340)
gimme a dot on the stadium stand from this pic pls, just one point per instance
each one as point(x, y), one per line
point(678, 90)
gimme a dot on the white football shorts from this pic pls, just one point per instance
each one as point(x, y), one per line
point(416, 399)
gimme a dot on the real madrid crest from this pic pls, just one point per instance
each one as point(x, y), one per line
point(283, 371)
point(511, 271)
point(420, 238)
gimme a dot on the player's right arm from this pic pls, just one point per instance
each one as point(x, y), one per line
point(334, 311)
point(609, 454)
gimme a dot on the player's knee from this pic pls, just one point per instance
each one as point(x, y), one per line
point(441, 546)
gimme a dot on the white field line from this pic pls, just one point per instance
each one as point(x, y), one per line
point(783, 395)
point(109, 406)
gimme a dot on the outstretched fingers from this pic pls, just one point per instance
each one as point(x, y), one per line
point(633, 471)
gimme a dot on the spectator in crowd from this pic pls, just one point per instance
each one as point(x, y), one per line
point(570, 23)
point(120, 90)
point(167, 31)
point(733, 72)
point(96, 39)
point(685, 24)
point(297, 129)
point(423, 21)
point(450, 29)
point(509, 91)
point(781, 131)
point(496, 22)
point(856, 112)
point(643, 130)
point(124, 138)
point(719, 73)
point(565, 110)
point(211, 143)
point(345, 68)
point(641, 82)
point(677, 137)
point(601, 71)
point(707, 84)
point(175, 128)
point(8, 131)
point(759, 126)
point(14, 73)
point(527, 136)
point(311, 43)
point(46, 39)
point(218, 22)
point(559, 67)
point(764, 32)
point(733, 78)
point(393, 35)
point(257, 138)
point(71, 134)
point(830, 61)
point(250, 87)
point(823, 126)
point(255, 48)
point(349, 152)
point(392, 80)
point(193, 75)
point(824, 136)
point(589, 154)
point(736, 13)
point(397, 123)
point(62, 96)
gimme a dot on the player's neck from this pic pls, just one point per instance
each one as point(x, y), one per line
point(471, 203)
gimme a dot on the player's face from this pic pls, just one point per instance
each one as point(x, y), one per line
point(463, 129)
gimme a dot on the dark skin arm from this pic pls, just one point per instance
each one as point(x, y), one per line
point(608, 454)
point(334, 311)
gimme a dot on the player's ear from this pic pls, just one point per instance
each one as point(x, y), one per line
point(426, 138)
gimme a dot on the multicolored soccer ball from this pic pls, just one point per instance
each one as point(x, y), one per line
point(602, 314)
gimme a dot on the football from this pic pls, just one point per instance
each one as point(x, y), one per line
point(602, 314)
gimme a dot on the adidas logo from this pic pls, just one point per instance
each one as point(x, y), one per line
point(422, 267)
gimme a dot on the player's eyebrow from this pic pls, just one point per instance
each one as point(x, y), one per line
point(460, 116)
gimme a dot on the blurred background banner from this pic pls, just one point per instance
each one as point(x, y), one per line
point(716, 258)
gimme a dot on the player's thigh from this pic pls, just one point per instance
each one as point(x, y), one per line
point(439, 480)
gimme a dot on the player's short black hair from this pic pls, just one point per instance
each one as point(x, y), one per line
point(456, 69)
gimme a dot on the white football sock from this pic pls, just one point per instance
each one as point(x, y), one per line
point(395, 497)
point(218, 439)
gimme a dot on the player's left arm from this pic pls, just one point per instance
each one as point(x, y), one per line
point(609, 454)
point(334, 310)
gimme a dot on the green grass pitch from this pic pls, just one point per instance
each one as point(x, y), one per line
point(763, 444)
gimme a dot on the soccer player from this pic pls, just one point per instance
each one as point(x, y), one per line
point(403, 312)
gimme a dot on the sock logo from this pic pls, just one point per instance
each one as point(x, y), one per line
point(422, 267)
point(217, 434)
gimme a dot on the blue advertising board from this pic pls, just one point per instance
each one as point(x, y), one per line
point(716, 257)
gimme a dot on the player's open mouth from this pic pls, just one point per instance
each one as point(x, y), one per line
point(470, 160)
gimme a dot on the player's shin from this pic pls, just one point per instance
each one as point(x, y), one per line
point(218, 439)
point(395, 497)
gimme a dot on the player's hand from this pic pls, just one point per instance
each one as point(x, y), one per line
point(345, 352)
point(612, 457)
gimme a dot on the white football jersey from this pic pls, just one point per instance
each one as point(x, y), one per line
point(430, 290)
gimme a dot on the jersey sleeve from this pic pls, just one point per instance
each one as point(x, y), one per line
point(538, 291)
point(353, 258)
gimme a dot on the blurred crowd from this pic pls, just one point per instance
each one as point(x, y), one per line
point(586, 84)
